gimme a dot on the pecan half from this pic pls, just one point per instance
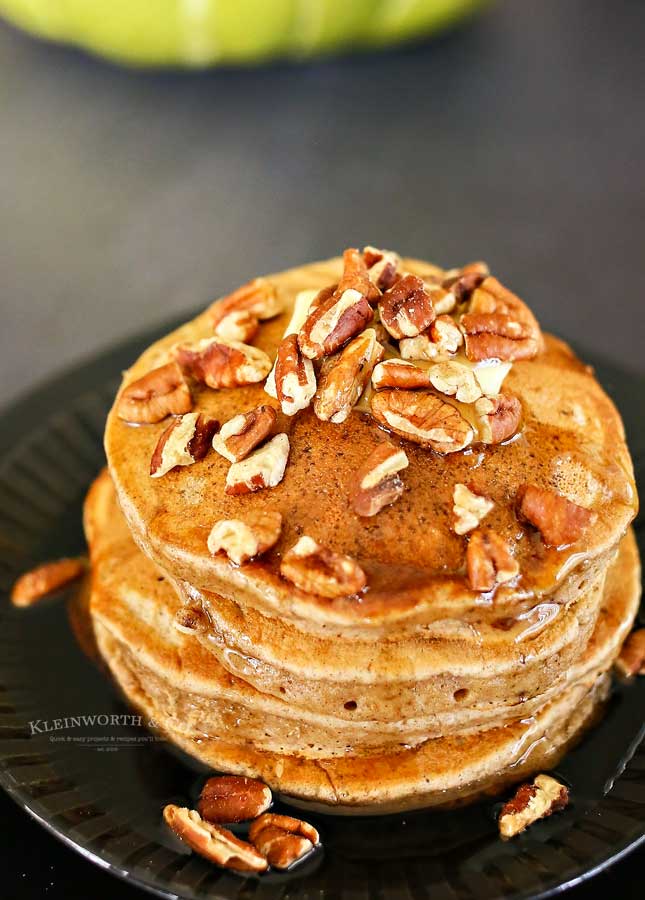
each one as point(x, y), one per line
point(498, 325)
point(262, 469)
point(377, 483)
point(233, 798)
point(242, 540)
point(455, 380)
point(160, 393)
point(222, 364)
point(530, 803)
point(382, 266)
point(559, 521)
point(489, 560)
point(398, 373)
point(462, 282)
point(345, 379)
point(244, 433)
point(317, 570)
point(283, 839)
point(423, 418)
point(45, 580)
point(469, 508)
point(216, 844)
point(333, 322)
point(184, 442)
point(447, 336)
point(631, 660)
point(258, 298)
point(295, 379)
point(406, 308)
point(499, 417)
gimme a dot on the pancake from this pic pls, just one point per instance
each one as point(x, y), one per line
point(224, 722)
point(571, 440)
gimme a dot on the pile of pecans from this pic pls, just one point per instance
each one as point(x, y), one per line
point(274, 840)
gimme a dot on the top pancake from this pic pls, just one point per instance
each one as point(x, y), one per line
point(571, 440)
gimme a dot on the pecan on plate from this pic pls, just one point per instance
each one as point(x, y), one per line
point(295, 379)
point(489, 560)
point(559, 521)
point(233, 798)
point(184, 442)
point(377, 483)
point(264, 468)
point(45, 580)
point(244, 432)
point(346, 377)
point(214, 843)
point(341, 314)
point(243, 540)
point(282, 839)
point(498, 325)
point(222, 364)
point(399, 373)
point(631, 660)
point(532, 802)
point(406, 309)
point(317, 570)
point(159, 393)
point(382, 266)
point(423, 418)
point(499, 417)
point(469, 508)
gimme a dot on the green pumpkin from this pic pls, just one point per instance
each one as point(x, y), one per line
point(213, 32)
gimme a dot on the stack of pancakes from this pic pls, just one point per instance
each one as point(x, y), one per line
point(416, 691)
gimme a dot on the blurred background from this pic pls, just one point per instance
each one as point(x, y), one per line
point(511, 131)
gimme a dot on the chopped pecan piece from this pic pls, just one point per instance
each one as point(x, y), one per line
point(233, 798)
point(469, 508)
point(631, 660)
point(237, 325)
point(499, 417)
point(423, 418)
point(262, 469)
point(160, 393)
point(244, 432)
point(304, 303)
point(489, 560)
point(242, 540)
point(222, 364)
point(184, 442)
point(346, 377)
point(445, 333)
point(420, 347)
point(382, 266)
point(462, 282)
point(283, 839)
point(398, 373)
point(406, 308)
point(317, 570)
point(258, 298)
point(339, 316)
point(377, 483)
point(530, 803)
point(295, 379)
point(455, 380)
point(356, 277)
point(45, 580)
point(559, 521)
point(498, 325)
point(216, 844)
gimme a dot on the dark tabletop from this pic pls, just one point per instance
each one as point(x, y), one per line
point(126, 198)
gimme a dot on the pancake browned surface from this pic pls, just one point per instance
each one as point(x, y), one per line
point(224, 722)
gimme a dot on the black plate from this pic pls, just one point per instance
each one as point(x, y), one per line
point(100, 787)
